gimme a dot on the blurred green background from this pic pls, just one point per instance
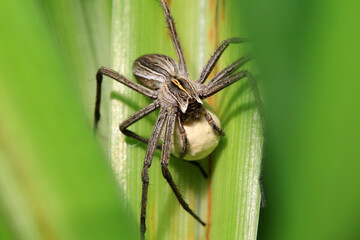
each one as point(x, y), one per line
point(308, 54)
point(55, 182)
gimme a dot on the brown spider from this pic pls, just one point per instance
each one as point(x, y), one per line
point(179, 99)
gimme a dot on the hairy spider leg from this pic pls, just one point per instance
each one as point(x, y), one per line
point(229, 70)
point(136, 117)
point(122, 79)
point(175, 38)
point(222, 83)
point(165, 158)
point(183, 137)
point(154, 138)
point(166, 117)
point(212, 123)
point(215, 57)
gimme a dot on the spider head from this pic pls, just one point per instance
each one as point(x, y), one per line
point(183, 91)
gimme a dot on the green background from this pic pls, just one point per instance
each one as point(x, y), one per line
point(55, 180)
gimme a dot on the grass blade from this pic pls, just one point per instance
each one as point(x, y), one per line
point(54, 180)
point(229, 201)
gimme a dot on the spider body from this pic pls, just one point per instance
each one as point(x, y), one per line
point(179, 99)
point(160, 72)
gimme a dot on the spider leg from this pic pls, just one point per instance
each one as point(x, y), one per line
point(120, 78)
point(215, 57)
point(222, 83)
point(154, 138)
point(174, 38)
point(229, 70)
point(228, 80)
point(183, 137)
point(165, 157)
point(136, 117)
point(212, 123)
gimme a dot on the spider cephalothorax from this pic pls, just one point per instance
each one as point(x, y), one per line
point(179, 99)
point(160, 72)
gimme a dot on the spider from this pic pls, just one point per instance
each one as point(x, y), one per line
point(179, 99)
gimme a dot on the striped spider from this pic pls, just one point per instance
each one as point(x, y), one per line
point(179, 100)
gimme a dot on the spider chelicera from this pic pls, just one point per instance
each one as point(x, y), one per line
point(179, 99)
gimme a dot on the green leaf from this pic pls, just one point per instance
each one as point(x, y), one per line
point(229, 200)
point(55, 182)
point(308, 53)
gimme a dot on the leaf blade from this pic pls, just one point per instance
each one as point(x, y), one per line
point(139, 29)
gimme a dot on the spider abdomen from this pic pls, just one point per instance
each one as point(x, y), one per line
point(153, 70)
